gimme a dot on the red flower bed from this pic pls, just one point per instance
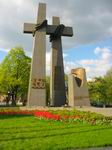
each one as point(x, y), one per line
point(47, 115)
point(16, 112)
point(70, 117)
point(57, 117)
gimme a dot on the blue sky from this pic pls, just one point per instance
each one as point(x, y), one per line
point(87, 51)
point(2, 55)
point(91, 45)
point(77, 53)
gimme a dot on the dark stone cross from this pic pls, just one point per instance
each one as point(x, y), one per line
point(57, 81)
point(36, 94)
point(50, 29)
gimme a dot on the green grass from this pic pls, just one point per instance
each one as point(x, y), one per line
point(30, 133)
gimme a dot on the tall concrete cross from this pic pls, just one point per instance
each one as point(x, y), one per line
point(57, 82)
point(37, 91)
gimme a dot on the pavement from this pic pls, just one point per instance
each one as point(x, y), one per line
point(103, 111)
point(96, 148)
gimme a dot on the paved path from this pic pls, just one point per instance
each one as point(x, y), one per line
point(103, 111)
point(99, 148)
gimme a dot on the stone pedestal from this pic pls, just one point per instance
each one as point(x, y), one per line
point(78, 94)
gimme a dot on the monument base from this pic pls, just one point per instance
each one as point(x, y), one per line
point(78, 94)
point(37, 98)
point(80, 102)
point(59, 99)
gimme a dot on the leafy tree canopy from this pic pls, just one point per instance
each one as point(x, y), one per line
point(14, 72)
point(101, 89)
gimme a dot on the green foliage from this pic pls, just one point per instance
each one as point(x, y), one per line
point(100, 89)
point(14, 72)
point(108, 78)
point(83, 116)
point(30, 132)
point(65, 115)
point(66, 77)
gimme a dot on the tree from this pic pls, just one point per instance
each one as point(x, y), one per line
point(108, 74)
point(14, 73)
point(100, 91)
point(108, 78)
point(97, 91)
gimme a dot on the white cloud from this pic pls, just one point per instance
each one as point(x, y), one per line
point(4, 50)
point(97, 50)
point(94, 67)
point(48, 59)
point(65, 55)
point(48, 62)
point(100, 65)
point(68, 65)
point(78, 14)
point(88, 62)
point(91, 22)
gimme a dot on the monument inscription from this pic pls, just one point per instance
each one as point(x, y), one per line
point(38, 83)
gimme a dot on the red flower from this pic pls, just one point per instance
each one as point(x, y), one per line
point(17, 113)
point(47, 115)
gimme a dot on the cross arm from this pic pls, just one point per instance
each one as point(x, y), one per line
point(28, 27)
point(50, 29)
point(68, 31)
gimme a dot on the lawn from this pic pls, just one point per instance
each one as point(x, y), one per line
point(30, 133)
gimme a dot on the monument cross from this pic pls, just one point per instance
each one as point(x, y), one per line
point(50, 29)
point(37, 91)
point(57, 81)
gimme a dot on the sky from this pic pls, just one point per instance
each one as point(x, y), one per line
point(91, 45)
